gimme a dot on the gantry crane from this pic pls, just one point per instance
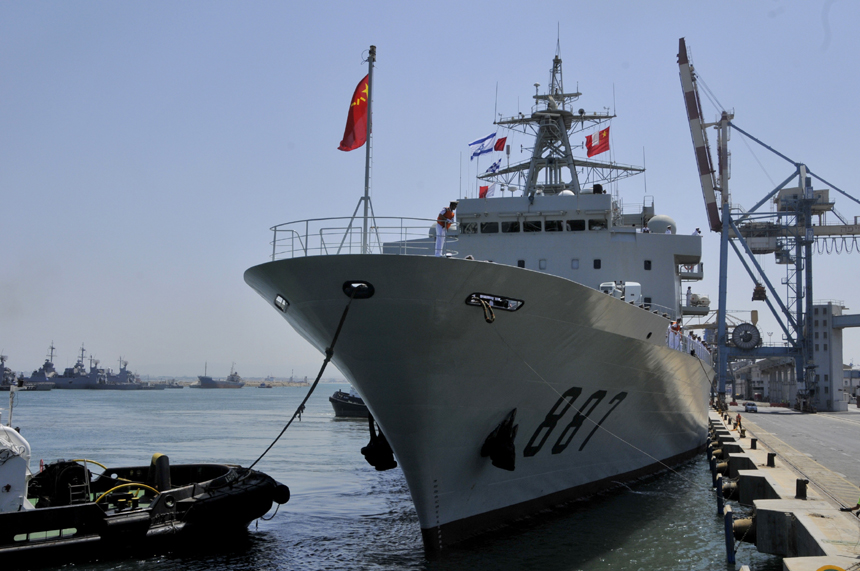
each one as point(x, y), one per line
point(788, 232)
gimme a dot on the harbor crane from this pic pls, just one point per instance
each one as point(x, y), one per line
point(788, 232)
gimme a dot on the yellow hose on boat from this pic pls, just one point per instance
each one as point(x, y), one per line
point(134, 484)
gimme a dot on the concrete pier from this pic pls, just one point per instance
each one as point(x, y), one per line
point(808, 533)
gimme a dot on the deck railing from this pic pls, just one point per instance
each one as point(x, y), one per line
point(334, 236)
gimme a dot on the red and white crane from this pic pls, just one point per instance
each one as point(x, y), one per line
point(700, 137)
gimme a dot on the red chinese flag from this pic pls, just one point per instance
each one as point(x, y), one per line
point(482, 191)
point(355, 134)
point(601, 145)
point(500, 144)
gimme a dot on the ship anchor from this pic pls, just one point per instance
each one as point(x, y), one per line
point(499, 445)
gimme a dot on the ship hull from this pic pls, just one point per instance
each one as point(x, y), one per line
point(599, 397)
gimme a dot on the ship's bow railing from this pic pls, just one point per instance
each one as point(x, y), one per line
point(336, 236)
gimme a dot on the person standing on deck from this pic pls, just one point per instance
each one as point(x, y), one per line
point(689, 296)
point(443, 222)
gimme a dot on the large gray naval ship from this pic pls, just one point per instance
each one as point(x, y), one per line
point(536, 361)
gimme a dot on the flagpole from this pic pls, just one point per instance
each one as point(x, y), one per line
point(371, 58)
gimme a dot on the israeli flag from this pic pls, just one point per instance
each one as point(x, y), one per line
point(482, 146)
point(494, 167)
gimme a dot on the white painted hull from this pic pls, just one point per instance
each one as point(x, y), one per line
point(438, 379)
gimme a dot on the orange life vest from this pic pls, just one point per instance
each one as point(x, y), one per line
point(445, 218)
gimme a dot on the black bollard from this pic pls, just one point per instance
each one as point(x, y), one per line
point(770, 459)
point(753, 442)
point(800, 493)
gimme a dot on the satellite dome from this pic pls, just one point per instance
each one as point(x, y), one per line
point(658, 224)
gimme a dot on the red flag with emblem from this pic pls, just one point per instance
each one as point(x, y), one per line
point(355, 134)
point(598, 142)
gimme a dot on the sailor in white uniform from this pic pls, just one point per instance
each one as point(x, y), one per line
point(443, 222)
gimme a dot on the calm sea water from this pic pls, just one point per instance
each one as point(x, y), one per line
point(345, 515)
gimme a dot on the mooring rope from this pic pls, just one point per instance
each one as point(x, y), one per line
point(489, 315)
point(329, 353)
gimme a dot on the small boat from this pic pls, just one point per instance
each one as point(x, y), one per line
point(265, 386)
point(348, 405)
point(172, 384)
point(67, 513)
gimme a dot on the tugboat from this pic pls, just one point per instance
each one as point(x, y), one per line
point(67, 513)
point(233, 381)
point(348, 405)
point(527, 363)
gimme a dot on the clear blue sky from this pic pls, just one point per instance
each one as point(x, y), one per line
point(147, 147)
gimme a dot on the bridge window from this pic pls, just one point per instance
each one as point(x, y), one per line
point(489, 227)
point(511, 226)
point(532, 226)
point(553, 226)
point(574, 264)
point(597, 224)
point(521, 263)
point(469, 228)
point(576, 225)
point(596, 264)
point(648, 265)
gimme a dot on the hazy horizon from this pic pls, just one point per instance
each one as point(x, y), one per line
point(149, 147)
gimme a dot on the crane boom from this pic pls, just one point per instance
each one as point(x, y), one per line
point(700, 137)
